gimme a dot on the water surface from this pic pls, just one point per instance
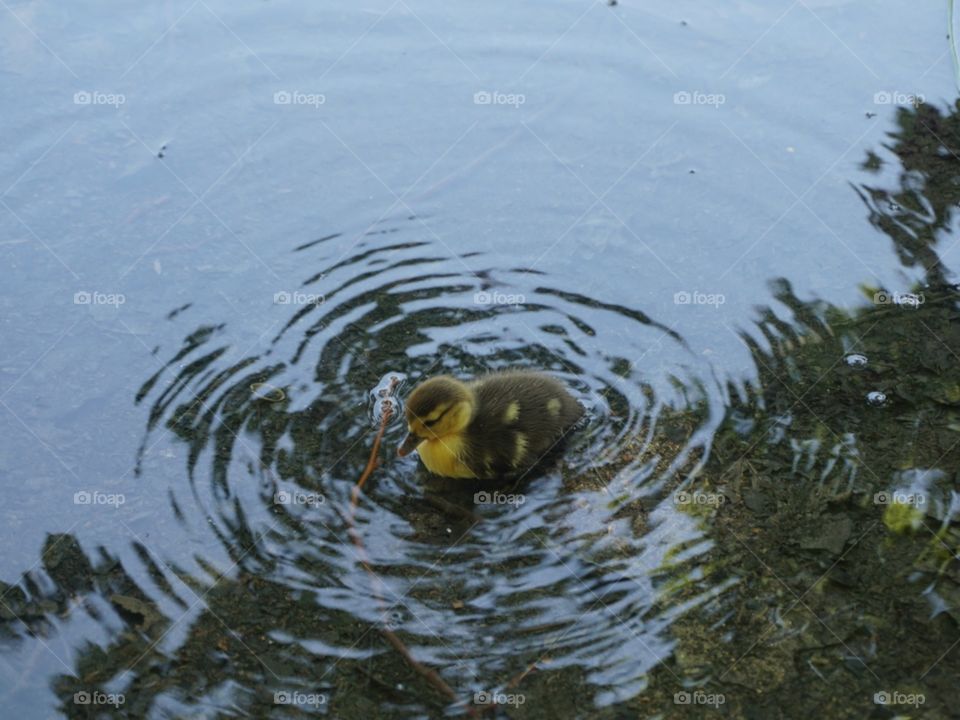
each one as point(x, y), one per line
point(228, 226)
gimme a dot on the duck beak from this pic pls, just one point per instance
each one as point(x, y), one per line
point(409, 444)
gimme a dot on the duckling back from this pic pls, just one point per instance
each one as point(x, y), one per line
point(520, 417)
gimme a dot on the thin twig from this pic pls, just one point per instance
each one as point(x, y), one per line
point(428, 673)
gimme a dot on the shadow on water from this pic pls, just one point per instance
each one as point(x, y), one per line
point(777, 547)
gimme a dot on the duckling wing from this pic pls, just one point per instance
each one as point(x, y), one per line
point(520, 417)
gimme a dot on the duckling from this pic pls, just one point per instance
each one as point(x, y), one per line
point(498, 425)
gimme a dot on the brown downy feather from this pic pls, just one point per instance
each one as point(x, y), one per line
point(506, 422)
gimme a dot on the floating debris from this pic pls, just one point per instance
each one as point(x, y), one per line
point(383, 396)
point(267, 392)
point(876, 398)
point(856, 360)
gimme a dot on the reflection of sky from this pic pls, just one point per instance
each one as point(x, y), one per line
point(599, 180)
point(100, 212)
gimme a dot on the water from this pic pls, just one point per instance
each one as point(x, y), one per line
point(227, 228)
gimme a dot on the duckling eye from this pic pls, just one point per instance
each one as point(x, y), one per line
point(431, 423)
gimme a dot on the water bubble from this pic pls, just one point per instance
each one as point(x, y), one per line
point(855, 360)
point(876, 398)
point(384, 398)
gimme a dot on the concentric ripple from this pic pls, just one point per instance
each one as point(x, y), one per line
point(565, 571)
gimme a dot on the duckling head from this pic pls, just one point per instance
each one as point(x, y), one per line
point(439, 407)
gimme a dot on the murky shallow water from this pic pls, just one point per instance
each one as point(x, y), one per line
point(228, 227)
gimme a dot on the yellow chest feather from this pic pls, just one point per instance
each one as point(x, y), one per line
point(442, 456)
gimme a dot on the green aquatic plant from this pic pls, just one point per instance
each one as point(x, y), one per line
point(902, 517)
